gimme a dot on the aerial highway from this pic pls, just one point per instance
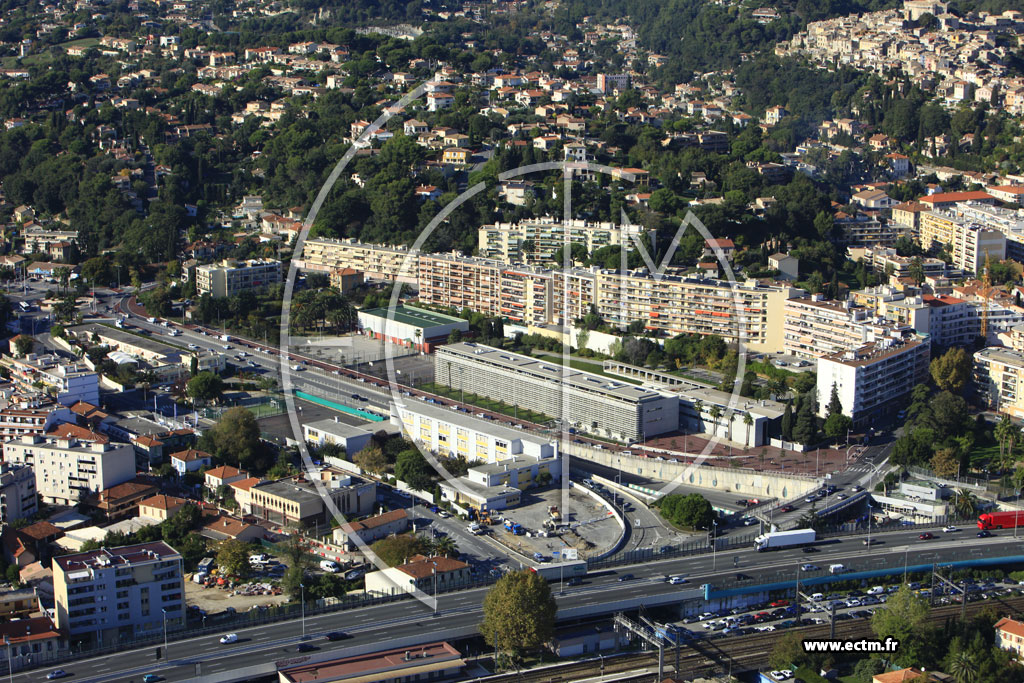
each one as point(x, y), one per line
point(401, 623)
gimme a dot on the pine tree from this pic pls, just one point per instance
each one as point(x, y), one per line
point(787, 422)
point(835, 406)
point(806, 429)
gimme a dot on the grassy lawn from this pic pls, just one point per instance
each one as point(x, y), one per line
point(983, 454)
point(485, 403)
point(46, 57)
point(586, 366)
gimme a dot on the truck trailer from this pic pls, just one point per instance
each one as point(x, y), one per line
point(562, 570)
point(1001, 520)
point(774, 540)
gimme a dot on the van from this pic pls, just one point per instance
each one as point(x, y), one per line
point(297, 368)
point(817, 597)
point(258, 558)
point(836, 569)
point(329, 566)
point(876, 590)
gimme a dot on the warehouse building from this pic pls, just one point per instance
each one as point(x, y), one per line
point(410, 326)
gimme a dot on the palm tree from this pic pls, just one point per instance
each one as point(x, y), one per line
point(963, 668)
point(748, 420)
point(698, 406)
point(445, 545)
point(716, 413)
point(966, 504)
point(778, 386)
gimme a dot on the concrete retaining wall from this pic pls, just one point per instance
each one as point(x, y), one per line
point(746, 482)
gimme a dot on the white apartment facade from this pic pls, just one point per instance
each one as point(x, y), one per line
point(111, 594)
point(18, 498)
point(870, 378)
point(544, 236)
point(230, 277)
point(373, 260)
point(66, 468)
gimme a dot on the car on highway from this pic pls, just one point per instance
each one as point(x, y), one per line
point(749, 521)
point(337, 635)
point(926, 536)
point(811, 498)
point(949, 529)
point(984, 533)
point(304, 647)
point(626, 577)
point(192, 347)
point(808, 567)
point(677, 579)
point(787, 508)
point(150, 678)
point(229, 638)
point(857, 489)
point(808, 549)
point(57, 673)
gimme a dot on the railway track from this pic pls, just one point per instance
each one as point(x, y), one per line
point(707, 657)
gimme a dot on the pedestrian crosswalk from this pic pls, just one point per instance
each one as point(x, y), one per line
point(861, 468)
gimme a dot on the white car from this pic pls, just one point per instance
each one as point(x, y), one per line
point(229, 638)
point(781, 675)
point(766, 628)
point(808, 567)
point(949, 529)
point(192, 347)
point(677, 579)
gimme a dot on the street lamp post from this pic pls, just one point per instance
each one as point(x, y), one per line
point(164, 610)
point(433, 572)
point(869, 526)
point(1016, 515)
point(302, 599)
point(714, 544)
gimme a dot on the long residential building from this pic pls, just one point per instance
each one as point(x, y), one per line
point(870, 379)
point(231, 277)
point(68, 468)
point(589, 402)
point(674, 304)
point(999, 380)
point(537, 239)
point(378, 261)
point(114, 594)
point(817, 327)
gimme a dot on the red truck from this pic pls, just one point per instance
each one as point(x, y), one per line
point(1000, 520)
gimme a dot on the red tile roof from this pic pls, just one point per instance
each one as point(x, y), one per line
point(1010, 626)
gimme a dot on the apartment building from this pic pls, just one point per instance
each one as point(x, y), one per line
point(70, 381)
point(865, 229)
point(676, 304)
point(18, 498)
point(67, 468)
point(371, 529)
point(999, 380)
point(300, 501)
point(112, 594)
point(886, 260)
point(816, 327)
point(589, 402)
point(458, 282)
point(968, 241)
point(452, 433)
point(1010, 222)
point(870, 378)
point(373, 260)
point(231, 277)
point(537, 239)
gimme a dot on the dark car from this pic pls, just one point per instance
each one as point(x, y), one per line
point(337, 635)
point(574, 581)
point(304, 647)
point(984, 533)
point(626, 577)
point(810, 549)
point(787, 508)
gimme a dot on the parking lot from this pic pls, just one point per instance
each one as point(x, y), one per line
point(590, 527)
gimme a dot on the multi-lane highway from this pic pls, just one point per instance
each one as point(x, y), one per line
point(600, 592)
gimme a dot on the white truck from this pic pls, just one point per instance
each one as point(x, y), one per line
point(773, 540)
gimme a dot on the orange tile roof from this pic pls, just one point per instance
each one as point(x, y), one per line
point(1010, 626)
point(909, 674)
point(424, 567)
point(224, 471)
point(245, 484)
point(190, 455)
point(66, 430)
point(162, 501)
point(40, 530)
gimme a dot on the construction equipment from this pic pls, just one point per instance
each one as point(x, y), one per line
point(554, 513)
